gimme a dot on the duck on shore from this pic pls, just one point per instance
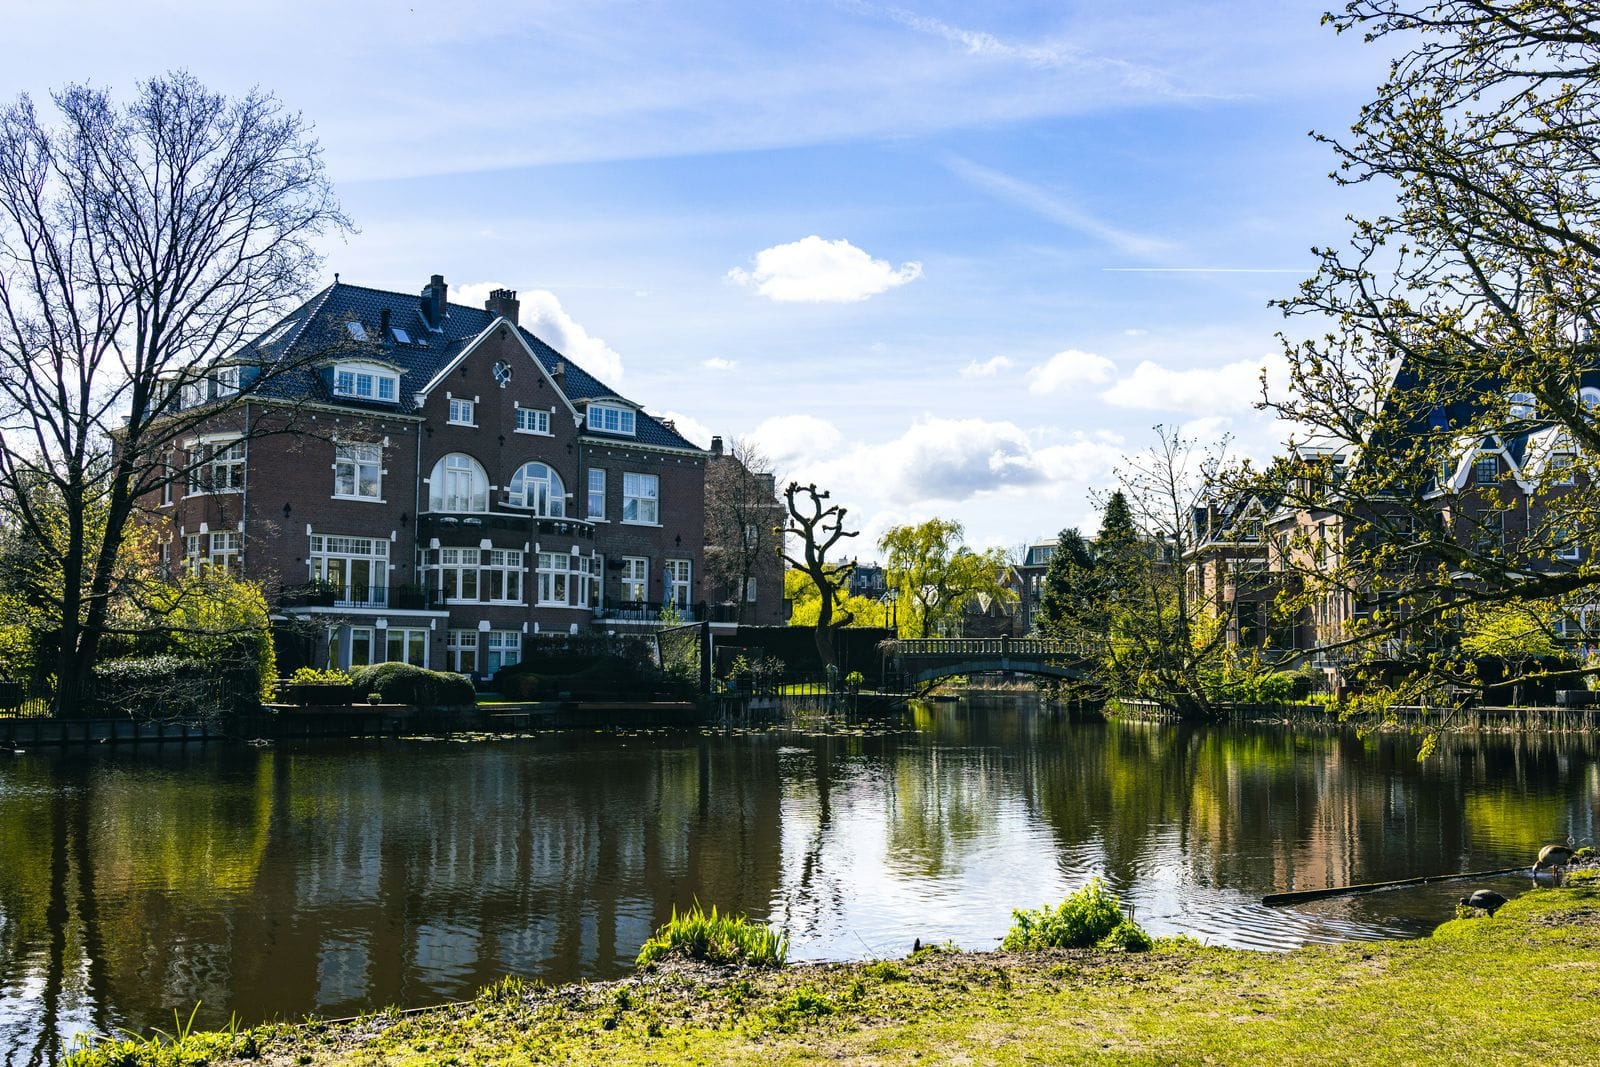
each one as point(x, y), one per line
point(1485, 900)
point(1553, 858)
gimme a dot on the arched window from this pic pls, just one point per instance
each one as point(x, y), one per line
point(1589, 396)
point(537, 487)
point(458, 483)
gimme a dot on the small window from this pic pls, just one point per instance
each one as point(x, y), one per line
point(400, 335)
point(1562, 468)
point(609, 419)
point(461, 412)
point(358, 331)
point(597, 493)
point(533, 420)
point(635, 579)
point(749, 590)
point(1487, 470)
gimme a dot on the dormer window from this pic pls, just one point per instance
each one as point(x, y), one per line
point(357, 331)
point(609, 418)
point(365, 382)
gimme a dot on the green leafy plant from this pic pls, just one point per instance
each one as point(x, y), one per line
point(1090, 916)
point(313, 676)
point(715, 938)
point(1126, 936)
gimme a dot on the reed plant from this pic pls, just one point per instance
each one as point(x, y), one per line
point(712, 937)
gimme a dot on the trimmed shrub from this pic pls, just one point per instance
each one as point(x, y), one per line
point(160, 687)
point(714, 938)
point(1088, 917)
point(403, 683)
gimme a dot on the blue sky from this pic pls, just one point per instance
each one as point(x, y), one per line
point(945, 259)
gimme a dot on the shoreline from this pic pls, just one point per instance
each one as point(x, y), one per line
point(1519, 987)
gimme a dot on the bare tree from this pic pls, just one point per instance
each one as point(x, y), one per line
point(744, 521)
point(819, 528)
point(140, 246)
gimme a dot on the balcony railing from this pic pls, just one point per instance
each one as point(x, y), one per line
point(473, 527)
point(649, 611)
point(325, 595)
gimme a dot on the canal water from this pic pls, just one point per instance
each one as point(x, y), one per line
point(275, 882)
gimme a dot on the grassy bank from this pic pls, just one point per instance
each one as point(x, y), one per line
point(1523, 986)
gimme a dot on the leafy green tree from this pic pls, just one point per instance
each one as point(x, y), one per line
point(1465, 317)
point(805, 604)
point(1519, 635)
point(935, 573)
point(1072, 600)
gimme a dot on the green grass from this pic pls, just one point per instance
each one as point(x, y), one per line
point(713, 938)
point(1521, 987)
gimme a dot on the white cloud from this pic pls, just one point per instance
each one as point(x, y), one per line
point(718, 363)
point(953, 460)
point(812, 270)
point(792, 439)
point(1201, 390)
point(543, 315)
point(1067, 369)
point(689, 426)
point(987, 369)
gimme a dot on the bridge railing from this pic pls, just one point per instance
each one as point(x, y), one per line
point(996, 647)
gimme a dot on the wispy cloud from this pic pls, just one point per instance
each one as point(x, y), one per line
point(1050, 206)
point(987, 369)
point(717, 363)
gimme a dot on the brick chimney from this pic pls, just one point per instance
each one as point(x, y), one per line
point(435, 297)
point(716, 446)
point(503, 302)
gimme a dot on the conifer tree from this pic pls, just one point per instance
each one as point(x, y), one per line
point(1071, 601)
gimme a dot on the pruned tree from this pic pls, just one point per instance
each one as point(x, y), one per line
point(744, 521)
point(818, 527)
point(1457, 327)
point(141, 244)
point(934, 574)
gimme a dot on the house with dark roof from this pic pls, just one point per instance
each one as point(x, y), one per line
point(442, 486)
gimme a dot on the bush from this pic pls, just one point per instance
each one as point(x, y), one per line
point(1088, 917)
point(312, 676)
point(161, 687)
point(402, 683)
point(713, 938)
point(1126, 936)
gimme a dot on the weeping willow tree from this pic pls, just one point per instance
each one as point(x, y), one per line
point(1445, 362)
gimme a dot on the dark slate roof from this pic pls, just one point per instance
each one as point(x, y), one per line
point(319, 328)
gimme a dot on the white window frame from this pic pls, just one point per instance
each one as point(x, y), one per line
point(611, 418)
point(335, 559)
point(459, 579)
point(463, 412)
point(502, 649)
point(449, 489)
point(409, 639)
point(595, 506)
point(191, 552)
point(367, 636)
point(679, 574)
point(533, 420)
point(635, 579)
point(352, 459)
point(502, 577)
point(225, 549)
point(221, 470)
point(359, 381)
point(1564, 467)
point(563, 580)
point(641, 496)
point(549, 495)
point(459, 645)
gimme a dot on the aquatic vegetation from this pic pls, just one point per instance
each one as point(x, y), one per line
point(715, 938)
point(1090, 916)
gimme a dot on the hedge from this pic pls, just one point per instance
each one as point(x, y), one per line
point(402, 683)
